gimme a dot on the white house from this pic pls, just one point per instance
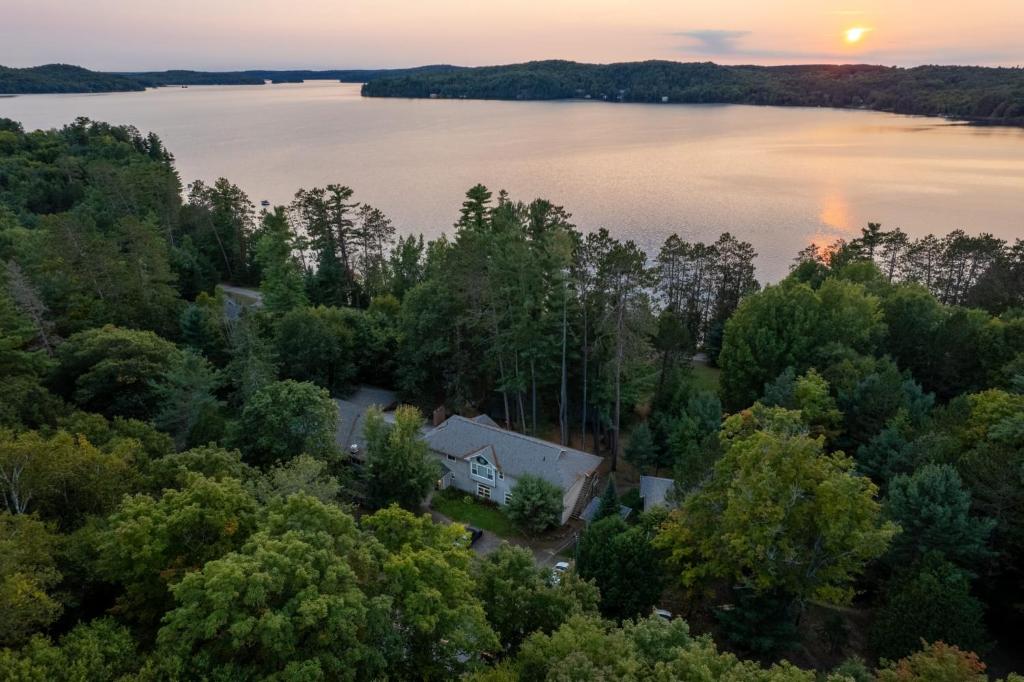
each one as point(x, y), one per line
point(485, 460)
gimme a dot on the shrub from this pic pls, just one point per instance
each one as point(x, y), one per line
point(536, 505)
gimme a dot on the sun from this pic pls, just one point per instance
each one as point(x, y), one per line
point(856, 34)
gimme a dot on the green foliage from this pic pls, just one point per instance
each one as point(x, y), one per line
point(287, 605)
point(641, 450)
point(928, 602)
point(204, 328)
point(788, 325)
point(282, 285)
point(303, 474)
point(63, 477)
point(212, 462)
point(779, 514)
point(762, 624)
point(427, 572)
point(623, 564)
point(25, 344)
point(810, 394)
point(111, 370)
point(253, 364)
point(318, 346)
point(400, 467)
point(285, 419)
point(98, 650)
point(519, 599)
point(150, 544)
point(221, 222)
point(609, 505)
point(693, 439)
point(586, 648)
point(189, 409)
point(536, 504)
point(933, 511)
point(954, 91)
point(28, 576)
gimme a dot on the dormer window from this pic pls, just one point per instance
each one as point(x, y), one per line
point(481, 468)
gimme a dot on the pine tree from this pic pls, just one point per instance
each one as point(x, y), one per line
point(609, 503)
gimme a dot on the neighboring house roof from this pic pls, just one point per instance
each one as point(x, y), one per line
point(515, 454)
point(352, 415)
point(655, 491)
point(595, 503)
point(487, 421)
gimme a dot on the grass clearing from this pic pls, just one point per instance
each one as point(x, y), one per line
point(707, 377)
point(464, 508)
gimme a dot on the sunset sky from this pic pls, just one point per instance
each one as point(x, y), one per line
point(238, 34)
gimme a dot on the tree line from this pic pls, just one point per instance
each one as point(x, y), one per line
point(176, 505)
point(991, 95)
point(59, 78)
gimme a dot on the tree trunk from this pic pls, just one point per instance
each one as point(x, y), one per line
point(504, 391)
point(533, 394)
point(586, 370)
point(620, 321)
point(563, 394)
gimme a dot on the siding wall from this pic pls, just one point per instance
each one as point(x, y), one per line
point(463, 481)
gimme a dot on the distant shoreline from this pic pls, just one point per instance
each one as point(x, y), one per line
point(982, 96)
point(977, 95)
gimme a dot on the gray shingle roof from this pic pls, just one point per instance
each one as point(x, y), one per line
point(484, 419)
point(516, 454)
point(655, 490)
point(352, 413)
point(595, 503)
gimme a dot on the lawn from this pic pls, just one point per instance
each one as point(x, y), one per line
point(706, 377)
point(464, 508)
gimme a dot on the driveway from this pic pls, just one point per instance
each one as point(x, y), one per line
point(545, 551)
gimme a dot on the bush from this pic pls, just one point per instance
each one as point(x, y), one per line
point(932, 602)
point(536, 505)
point(938, 662)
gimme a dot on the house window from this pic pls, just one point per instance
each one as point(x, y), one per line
point(483, 491)
point(508, 497)
point(501, 476)
point(481, 468)
point(451, 458)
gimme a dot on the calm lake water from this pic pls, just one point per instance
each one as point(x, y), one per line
point(778, 177)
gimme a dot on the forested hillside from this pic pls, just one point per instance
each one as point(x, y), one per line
point(176, 506)
point(58, 78)
point(55, 78)
point(994, 95)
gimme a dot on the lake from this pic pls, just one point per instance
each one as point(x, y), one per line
point(777, 177)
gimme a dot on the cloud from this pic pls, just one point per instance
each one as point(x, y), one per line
point(714, 41)
point(729, 45)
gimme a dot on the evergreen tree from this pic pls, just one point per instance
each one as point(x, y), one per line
point(934, 512)
point(609, 503)
point(930, 601)
point(189, 408)
point(282, 283)
point(641, 450)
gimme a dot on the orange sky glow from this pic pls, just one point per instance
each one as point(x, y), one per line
point(232, 34)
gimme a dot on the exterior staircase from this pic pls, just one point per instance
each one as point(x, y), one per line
point(586, 493)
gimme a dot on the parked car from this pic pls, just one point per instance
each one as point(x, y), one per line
point(556, 572)
point(474, 534)
point(662, 613)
